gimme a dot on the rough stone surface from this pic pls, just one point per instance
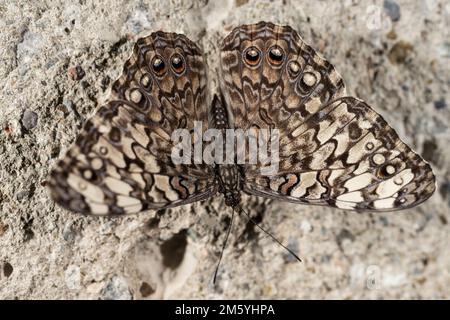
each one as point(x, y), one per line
point(58, 59)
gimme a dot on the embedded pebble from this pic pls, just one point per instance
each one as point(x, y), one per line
point(73, 277)
point(29, 119)
point(76, 73)
point(69, 234)
point(294, 246)
point(22, 195)
point(116, 289)
point(30, 47)
point(440, 104)
point(392, 9)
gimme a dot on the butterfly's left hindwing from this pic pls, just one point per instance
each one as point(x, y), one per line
point(121, 161)
point(333, 150)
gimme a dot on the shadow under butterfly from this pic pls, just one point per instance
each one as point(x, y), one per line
point(334, 150)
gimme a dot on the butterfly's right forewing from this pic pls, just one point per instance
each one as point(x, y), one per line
point(121, 161)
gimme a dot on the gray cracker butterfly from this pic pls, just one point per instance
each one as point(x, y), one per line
point(334, 150)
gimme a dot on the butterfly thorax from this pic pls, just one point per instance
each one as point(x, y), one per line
point(230, 180)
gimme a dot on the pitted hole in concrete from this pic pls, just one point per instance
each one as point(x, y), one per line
point(153, 223)
point(344, 235)
point(250, 229)
point(173, 250)
point(7, 269)
point(146, 289)
point(3, 227)
point(430, 150)
point(27, 227)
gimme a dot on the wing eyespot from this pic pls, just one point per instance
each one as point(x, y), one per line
point(146, 82)
point(136, 96)
point(275, 56)
point(90, 176)
point(252, 56)
point(82, 186)
point(87, 174)
point(378, 158)
point(103, 150)
point(158, 65)
point(369, 146)
point(387, 170)
point(309, 79)
point(294, 69)
point(178, 63)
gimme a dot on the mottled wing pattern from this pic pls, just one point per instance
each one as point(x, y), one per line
point(347, 157)
point(271, 78)
point(334, 150)
point(121, 161)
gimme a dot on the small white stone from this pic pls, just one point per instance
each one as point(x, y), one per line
point(73, 277)
point(306, 226)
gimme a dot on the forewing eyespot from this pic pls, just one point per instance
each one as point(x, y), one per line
point(135, 96)
point(309, 79)
point(275, 56)
point(252, 56)
point(294, 68)
point(158, 65)
point(146, 82)
point(178, 64)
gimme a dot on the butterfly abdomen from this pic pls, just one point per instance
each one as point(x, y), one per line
point(230, 179)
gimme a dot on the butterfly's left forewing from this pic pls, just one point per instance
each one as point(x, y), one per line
point(121, 161)
point(333, 150)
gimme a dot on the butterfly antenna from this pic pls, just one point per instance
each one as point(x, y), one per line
point(269, 234)
point(223, 248)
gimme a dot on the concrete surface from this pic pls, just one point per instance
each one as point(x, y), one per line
point(57, 60)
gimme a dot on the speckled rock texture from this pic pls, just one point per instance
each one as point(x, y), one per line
point(57, 62)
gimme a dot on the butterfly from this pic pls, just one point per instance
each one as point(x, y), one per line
point(334, 149)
